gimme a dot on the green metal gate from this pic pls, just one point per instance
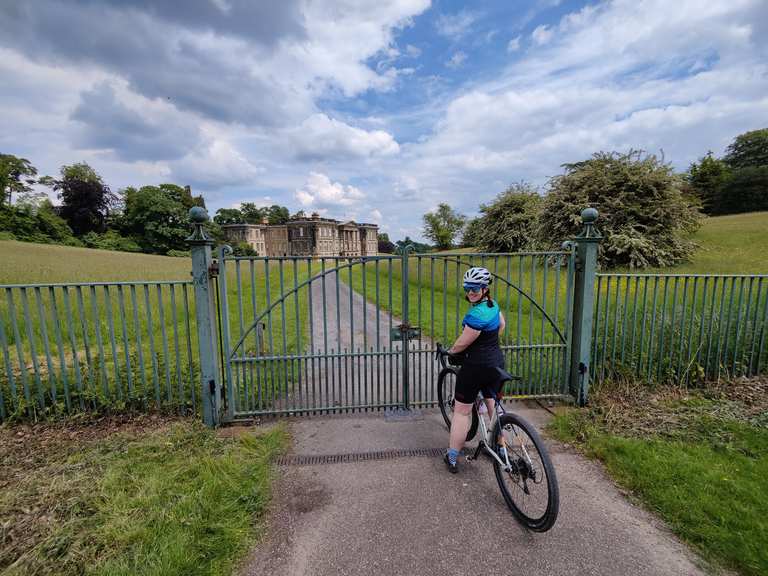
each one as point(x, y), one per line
point(303, 335)
point(331, 334)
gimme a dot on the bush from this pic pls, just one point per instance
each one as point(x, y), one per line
point(645, 218)
point(39, 225)
point(110, 240)
point(508, 223)
point(179, 253)
point(243, 249)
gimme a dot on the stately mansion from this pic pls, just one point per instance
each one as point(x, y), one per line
point(313, 236)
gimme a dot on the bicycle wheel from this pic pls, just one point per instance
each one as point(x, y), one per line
point(530, 486)
point(446, 384)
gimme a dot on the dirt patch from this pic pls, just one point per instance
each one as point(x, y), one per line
point(629, 409)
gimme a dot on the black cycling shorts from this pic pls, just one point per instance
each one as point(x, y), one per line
point(474, 378)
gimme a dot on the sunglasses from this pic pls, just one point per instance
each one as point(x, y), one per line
point(474, 288)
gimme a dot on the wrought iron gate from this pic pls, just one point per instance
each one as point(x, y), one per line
point(332, 334)
point(289, 340)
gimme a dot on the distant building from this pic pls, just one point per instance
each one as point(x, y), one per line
point(313, 236)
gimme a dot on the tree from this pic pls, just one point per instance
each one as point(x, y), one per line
point(85, 199)
point(156, 218)
point(418, 247)
point(472, 232)
point(385, 244)
point(508, 223)
point(706, 179)
point(748, 149)
point(443, 225)
point(645, 218)
point(251, 213)
point(228, 216)
point(12, 177)
point(277, 214)
point(745, 190)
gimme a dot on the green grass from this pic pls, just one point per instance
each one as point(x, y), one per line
point(734, 244)
point(175, 501)
point(706, 475)
point(166, 378)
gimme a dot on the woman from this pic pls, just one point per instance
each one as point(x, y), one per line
point(480, 353)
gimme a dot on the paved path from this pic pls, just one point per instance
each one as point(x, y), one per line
point(409, 516)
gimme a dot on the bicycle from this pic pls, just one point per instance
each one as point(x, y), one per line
point(521, 463)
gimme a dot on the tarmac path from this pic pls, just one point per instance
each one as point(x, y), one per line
point(406, 515)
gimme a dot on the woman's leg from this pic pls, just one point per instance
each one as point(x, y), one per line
point(460, 424)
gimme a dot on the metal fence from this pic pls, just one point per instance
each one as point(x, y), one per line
point(679, 327)
point(67, 347)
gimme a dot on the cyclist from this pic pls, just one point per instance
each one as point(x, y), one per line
point(479, 352)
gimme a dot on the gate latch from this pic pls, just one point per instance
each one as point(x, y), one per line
point(213, 269)
point(405, 332)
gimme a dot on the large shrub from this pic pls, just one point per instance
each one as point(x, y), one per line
point(508, 223)
point(645, 217)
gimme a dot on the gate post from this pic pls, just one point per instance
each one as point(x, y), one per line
point(205, 313)
point(406, 332)
point(583, 305)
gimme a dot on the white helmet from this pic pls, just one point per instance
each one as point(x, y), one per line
point(478, 275)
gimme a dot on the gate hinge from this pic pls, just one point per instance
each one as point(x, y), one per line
point(213, 269)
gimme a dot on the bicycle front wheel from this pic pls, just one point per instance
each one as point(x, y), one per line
point(529, 485)
point(446, 386)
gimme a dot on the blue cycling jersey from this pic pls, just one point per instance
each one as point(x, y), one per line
point(485, 349)
point(483, 317)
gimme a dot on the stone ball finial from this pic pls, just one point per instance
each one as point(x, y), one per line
point(589, 215)
point(198, 215)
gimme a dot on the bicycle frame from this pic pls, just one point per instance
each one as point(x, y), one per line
point(485, 438)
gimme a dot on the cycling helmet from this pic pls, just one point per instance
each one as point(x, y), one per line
point(478, 275)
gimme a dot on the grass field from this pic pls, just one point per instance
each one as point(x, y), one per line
point(698, 458)
point(144, 496)
point(134, 344)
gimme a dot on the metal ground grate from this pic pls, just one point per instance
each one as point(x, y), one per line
point(309, 460)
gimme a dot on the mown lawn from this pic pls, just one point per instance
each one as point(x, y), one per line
point(146, 496)
point(697, 458)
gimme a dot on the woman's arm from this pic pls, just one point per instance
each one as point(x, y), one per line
point(466, 338)
point(502, 323)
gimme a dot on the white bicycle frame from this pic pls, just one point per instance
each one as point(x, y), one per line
point(487, 440)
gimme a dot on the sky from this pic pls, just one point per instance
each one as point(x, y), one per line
point(372, 110)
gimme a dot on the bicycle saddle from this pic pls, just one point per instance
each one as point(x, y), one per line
point(506, 376)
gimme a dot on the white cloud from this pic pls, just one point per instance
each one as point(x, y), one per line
point(321, 137)
point(457, 60)
point(514, 44)
point(320, 192)
point(455, 26)
point(541, 35)
point(412, 51)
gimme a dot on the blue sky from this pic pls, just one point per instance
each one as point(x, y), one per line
point(373, 110)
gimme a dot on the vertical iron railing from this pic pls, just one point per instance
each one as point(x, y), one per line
point(680, 327)
point(308, 342)
point(100, 345)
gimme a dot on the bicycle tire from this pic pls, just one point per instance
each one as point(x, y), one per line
point(521, 429)
point(445, 391)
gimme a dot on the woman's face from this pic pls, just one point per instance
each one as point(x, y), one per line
point(476, 296)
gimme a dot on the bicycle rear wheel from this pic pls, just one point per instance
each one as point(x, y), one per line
point(530, 485)
point(446, 386)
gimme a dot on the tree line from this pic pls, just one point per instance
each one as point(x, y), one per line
point(151, 219)
point(647, 210)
